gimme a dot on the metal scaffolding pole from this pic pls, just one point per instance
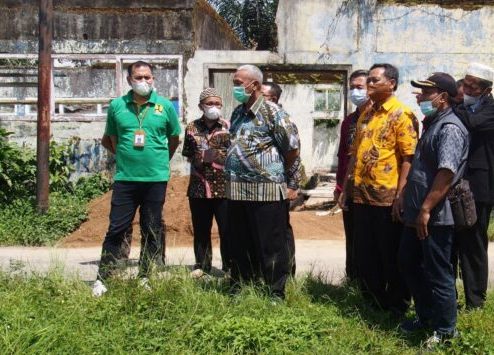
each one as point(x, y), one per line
point(44, 105)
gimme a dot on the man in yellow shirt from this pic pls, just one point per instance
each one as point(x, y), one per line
point(387, 134)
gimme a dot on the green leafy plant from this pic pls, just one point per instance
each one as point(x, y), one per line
point(59, 167)
point(20, 224)
point(19, 221)
point(90, 187)
point(253, 21)
point(17, 169)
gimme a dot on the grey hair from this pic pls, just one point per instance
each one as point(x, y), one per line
point(254, 72)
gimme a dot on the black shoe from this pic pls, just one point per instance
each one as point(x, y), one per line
point(413, 325)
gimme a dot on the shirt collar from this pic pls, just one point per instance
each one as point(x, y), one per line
point(257, 105)
point(129, 99)
point(388, 105)
point(217, 124)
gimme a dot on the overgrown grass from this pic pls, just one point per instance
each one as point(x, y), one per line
point(20, 224)
point(54, 315)
point(490, 230)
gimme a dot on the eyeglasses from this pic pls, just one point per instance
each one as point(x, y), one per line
point(211, 104)
point(139, 78)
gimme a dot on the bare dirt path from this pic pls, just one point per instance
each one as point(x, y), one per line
point(306, 224)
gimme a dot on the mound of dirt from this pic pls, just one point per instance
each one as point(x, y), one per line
point(176, 214)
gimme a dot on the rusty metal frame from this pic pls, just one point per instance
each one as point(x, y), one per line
point(117, 59)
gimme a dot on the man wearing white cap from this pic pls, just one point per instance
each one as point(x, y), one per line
point(477, 114)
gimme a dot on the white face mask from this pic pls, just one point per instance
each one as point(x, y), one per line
point(142, 88)
point(470, 100)
point(358, 97)
point(212, 113)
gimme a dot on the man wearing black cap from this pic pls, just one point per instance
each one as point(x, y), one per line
point(425, 250)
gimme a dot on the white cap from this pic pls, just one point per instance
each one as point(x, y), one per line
point(480, 71)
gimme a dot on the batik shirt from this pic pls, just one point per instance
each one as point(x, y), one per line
point(384, 136)
point(254, 164)
point(207, 180)
point(294, 174)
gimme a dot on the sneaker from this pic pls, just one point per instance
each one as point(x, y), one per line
point(144, 283)
point(196, 274)
point(438, 339)
point(99, 289)
point(413, 325)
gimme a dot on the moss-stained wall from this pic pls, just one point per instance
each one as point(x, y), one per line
point(115, 26)
point(419, 37)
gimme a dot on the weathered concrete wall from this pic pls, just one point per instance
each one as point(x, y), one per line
point(85, 142)
point(112, 26)
point(418, 39)
point(105, 26)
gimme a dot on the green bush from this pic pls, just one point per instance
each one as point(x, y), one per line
point(17, 170)
point(21, 224)
point(90, 187)
point(19, 221)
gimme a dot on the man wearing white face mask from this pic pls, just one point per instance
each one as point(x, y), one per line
point(477, 114)
point(205, 145)
point(358, 96)
point(143, 131)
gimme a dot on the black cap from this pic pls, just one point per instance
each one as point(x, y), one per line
point(441, 81)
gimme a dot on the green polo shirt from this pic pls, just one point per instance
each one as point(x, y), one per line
point(160, 122)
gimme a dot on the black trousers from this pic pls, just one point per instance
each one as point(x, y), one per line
point(349, 236)
point(127, 196)
point(290, 240)
point(426, 265)
point(376, 243)
point(203, 210)
point(257, 235)
point(127, 242)
point(472, 248)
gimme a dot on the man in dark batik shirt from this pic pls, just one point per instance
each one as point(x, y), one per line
point(263, 147)
point(272, 92)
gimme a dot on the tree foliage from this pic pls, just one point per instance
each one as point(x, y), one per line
point(252, 20)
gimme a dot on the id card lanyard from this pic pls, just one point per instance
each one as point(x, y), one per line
point(140, 134)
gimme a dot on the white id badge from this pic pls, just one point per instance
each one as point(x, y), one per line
point(139, 138)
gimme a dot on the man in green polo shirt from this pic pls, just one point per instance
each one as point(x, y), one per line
point(143, 131)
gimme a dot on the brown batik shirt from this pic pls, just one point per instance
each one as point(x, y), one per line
point(207, 179)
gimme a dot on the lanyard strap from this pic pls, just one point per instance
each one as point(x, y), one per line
point(141, 117)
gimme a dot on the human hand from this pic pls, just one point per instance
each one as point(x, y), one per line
point(397, 209)
point(336, 194)
point(209, 155)
point(421, 223)
point(291, 194)
point(342, 201)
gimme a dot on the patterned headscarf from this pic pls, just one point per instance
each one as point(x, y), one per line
point(209, 92)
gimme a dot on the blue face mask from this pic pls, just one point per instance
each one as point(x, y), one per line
point(358, 97)
point(240, 95)
point(427, 108)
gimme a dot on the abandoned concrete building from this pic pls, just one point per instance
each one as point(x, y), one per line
point(320, 43)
